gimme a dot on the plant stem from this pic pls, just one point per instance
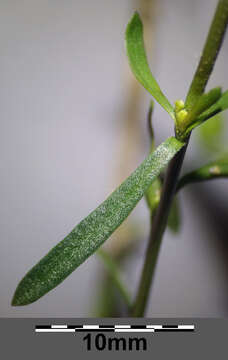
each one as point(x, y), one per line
point(205, 67)
point(157, 229)
point(210, 52)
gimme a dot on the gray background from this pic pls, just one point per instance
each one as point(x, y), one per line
point(63, 88)
point(208, 341)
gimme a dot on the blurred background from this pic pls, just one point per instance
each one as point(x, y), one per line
point(73, 126)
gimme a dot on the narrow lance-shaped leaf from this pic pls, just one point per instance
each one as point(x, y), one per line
point(139, 64)
point(192, 118)
point(204, 102)
point(220, 105)
point(91, 232)
point(213, 170)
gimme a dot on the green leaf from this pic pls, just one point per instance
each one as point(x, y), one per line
point(139, 64)
point(220, 105)
point(204, 102)
point(91, 232)
point(115, 275)
point(213, 170)
point(185, 124)
point(174, 220)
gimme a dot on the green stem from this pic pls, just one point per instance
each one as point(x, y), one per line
point(209, 55)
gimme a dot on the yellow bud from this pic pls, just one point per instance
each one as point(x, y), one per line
point(181, 115)
point(179, 105)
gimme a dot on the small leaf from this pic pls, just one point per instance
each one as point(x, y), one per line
point(214, 170)
point(203, 103)
point(192, 118)
point(174, 220)
point(139, 64)
point(91, 232)
point(220, 105)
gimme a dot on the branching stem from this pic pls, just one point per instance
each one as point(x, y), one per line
point(210, 52)
point(203, 72)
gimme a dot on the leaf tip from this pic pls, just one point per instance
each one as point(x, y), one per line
point(20, 301)
point(15, 301)
point(20, 297)
point(135, 21)
point(136, 17)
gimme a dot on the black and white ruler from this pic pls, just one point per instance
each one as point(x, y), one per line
point(114, 328)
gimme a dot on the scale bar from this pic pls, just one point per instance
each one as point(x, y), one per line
point(59, 326)
point(134, 330)
point(115, 328)
point(173, 330)
point(55, 330)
